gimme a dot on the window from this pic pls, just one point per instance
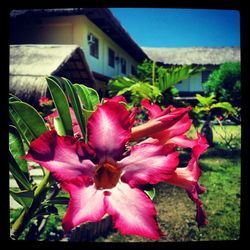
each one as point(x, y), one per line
point(133, 70)
point(123, 66)
point(93, 45)
point(111, 58)
point(205, 75)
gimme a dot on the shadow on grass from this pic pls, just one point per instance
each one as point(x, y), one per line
point(221, 152)
point(212, 154)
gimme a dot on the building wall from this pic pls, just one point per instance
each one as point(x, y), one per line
point(192, 84)
point(100, 65)
point(73, 30)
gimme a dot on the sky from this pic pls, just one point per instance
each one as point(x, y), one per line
point(168, 27)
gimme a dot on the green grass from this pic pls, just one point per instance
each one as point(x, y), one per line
point(221, 176)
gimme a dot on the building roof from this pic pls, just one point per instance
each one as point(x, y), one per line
point(194, 55)
point(102, 17)
point(30, 64)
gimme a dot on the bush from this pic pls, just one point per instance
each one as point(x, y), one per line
point(225, 83)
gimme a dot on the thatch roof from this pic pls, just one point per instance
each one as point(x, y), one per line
point(194, 55)
point(102, 17)
point(30, 64)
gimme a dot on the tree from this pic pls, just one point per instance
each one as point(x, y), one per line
point(205, 106)
point(225, 83)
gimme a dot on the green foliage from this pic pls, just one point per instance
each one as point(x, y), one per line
point(24, 198)
point(225, 83)
point(207, 104)
point(16, 148)
point(154, 82)
point(167, 77)
point(20, 177)
point(88, 96)
point(61, 103)
point(133, 89)
point(27, 120)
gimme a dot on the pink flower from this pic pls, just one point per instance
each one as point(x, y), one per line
point(162, 125)
point(168, 127)
point(118, 98)
point(219, 118)
point(102, 176)
point(188, 177)
point(45, 101)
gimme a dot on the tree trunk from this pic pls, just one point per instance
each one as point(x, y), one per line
point(207, 132)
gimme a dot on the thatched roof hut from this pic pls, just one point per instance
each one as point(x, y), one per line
point(194, 55)
point(30, 64)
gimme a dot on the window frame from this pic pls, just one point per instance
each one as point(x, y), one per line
point(123, 66)
point(93, 48)
point(111, 61)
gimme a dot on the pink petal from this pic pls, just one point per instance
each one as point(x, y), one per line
point(132, 212)
point(153, 109)
point(158, 124)
point(179, 128)
point(148, 164)
point(181, 141)
point(61, 155)
point(86, 203)
point(118, 98)
point(188, 178)
point(108, 130)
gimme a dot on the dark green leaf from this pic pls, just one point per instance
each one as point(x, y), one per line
point(27, 120)
point(46, 210)
point(74, 100)
point(61, 103)
point(88, 96)
point(16, 148)
point(24, 198)
point(58, 200)
point(18, 174)
point(224, 105)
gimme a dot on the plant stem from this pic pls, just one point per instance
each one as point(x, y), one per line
point(26, 215)
point(153, 73)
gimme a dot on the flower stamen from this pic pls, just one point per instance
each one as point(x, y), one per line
point(106, 175)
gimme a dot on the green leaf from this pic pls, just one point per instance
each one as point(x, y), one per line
point(20, 177)
point(206, 101)
point(88, 96)
point(17, 150)
point(74, 100)
point(225, 105)
point(13, 98)
point(58, 200)
point(169, 77)
point(24, 198)
point(61, 103)
point(59, 126)
point(46, 210)
point(27, 120)
point(150, 192)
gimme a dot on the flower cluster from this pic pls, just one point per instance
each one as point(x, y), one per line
point(45, 101)
point(105, 175)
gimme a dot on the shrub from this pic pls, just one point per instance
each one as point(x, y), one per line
point(225, 83)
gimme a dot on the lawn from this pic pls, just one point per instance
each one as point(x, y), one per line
point(221, 176)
